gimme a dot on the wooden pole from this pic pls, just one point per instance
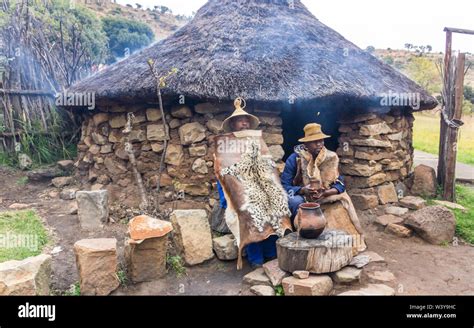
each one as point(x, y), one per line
point(443, 126)
point(28, 92)
point(458, 30)
point(449, 190)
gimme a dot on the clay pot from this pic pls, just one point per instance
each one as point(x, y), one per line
point(310, 220)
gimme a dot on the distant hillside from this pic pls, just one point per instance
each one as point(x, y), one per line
point(402, 59)
point(162, 24)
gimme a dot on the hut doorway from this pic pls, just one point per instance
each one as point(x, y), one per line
point(295, 119)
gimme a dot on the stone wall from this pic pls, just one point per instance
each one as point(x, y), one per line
point(188, 177)
point(376, 155)
point(375, 151)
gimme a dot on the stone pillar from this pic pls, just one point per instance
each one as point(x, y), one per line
point(96, 261)
point(145, 251)
point(92, 209)
point(192, 235)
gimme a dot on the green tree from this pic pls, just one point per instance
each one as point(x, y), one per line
point(125, 36)
point(370, 49)
point(388, 60)
point(469, 93)
point(424, 72)
point(54, 32)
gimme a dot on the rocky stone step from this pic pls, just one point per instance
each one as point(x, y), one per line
point(257, 277)
point(314, 285)
point(348, 275)
point(262, 290)
point(380, 276)
point(398, 230)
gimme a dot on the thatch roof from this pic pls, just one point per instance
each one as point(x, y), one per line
point(262, 50)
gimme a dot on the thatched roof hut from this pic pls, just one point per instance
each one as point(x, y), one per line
point(262, 50)
point(291, 69)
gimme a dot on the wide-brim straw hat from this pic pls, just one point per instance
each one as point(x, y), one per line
point(254, 121)
point(313, 132)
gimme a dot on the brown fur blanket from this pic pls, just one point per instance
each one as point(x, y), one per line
point(257, 203)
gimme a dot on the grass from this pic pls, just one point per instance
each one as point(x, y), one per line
point(279, 291)
point(75, 290)
point(176, 263)
point(40, 147)
point(5, 160)
point(465, 220)
point(122, 277)
point(22, 181)
point(22, 235)
point(426, 136)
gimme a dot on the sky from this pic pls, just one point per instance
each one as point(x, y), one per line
point(379, 23)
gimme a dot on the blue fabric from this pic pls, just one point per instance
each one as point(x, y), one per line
point(258, 252)
point(222, 200)
point(339, 184)
point(287, 177)
point(294, 203)
point(289, 174)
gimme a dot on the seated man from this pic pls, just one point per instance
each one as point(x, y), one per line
point(257, 253)
point(291, 177)
point(312, 175)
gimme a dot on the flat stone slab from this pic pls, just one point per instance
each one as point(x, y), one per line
point(145, 227)
point(385, 220)
point(301, 274)
point(452, 206)
point(315, 285)
point(273, 271)
point(19, 206)
point(381, 276)
point(257, 277)
point(262, 290)
point(374, 257)
point(395, 210)
point(365, 258)
point(398, 230)
point(347, 275)
point(413, 202)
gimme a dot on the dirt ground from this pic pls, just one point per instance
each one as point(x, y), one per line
point(419, 268)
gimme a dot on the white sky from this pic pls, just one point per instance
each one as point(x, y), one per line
point(380, 23)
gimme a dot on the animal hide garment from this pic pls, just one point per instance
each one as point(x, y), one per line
point(257, 204)
point(325, 169)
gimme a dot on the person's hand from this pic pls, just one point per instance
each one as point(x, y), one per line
point(329, 192)
point(318, 194)
point(307, 191)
